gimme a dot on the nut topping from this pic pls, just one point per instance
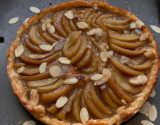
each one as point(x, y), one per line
point(42, 67)
point(61, 101)
point(34, 9)
point(139, 24)
point(139, 80)
point(132, 25)
point(96, 77)
point(155, 28)
point(69, 14)
point(145, 108)
point(21, 69)
point(50, 28)
point(103, 56)
point(71, 81)
point(84, 115)
point(152, 113)
point(46, 47)
point(29, 123)
point(95, 31)
point(146, 122)
point(82, 25)
point(13, 20)
point(64, 60)
point(43, 27)
point(110, 54)
point(19, 50)
point(55, 71)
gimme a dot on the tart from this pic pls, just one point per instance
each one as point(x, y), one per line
point(83, 62)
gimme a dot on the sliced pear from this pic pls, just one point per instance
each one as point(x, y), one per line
point(53, 109)
point(34, 37)
point(97, 102)
point(90, 18)
point(54, 36)
point(64, 24)
point(67, 107)
point(33, 61)
point(30, 71)
point(125, 68)
point(113, 21)
point(93, 22)
point(19, 65)
point(128, 45)
point(87, 14)
point(129, 37)
point(72, 25)
point(116, 27)
point(76, 106)
point(83, 102)
point(95, 43)
point(43, 82)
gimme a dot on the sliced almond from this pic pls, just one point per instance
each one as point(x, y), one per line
point(25, 20)
point(21, 69)
point(50, 28)
point(19, 50)
point(139, 80)
point(152, 113)
point(61, 101)
point(82, 25)
point(150, 53)
point(84, 115)
point(144, 36)
point(96, 77)
point(153, 93)
point(42, 67)
point(95, 31)
point(138, 31)
point(71, 81)
point(139, 24)
point(146, 107)
point(29, 123)
point(46, 47)
point(103, 56)
point(120, 109)
point(43, 27)
point(13, 20)
point(110, 54)
point(132, 25)
point(69, 14)
point(34, 9)
point(146, 122)
point(155, 28)
point(54, 44)
point(64, 60)
point(123, 101)
point(33, 56)
point(54, 71)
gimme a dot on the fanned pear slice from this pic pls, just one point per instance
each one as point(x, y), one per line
point(129, 37)
point(64, 24)
point(125, 68)
point(113, 21)
point(116, 27)
point(34, 37)
point(43, 82)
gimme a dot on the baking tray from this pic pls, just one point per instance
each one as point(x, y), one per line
point(11, 110)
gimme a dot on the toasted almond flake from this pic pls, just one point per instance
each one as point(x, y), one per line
point(144, 36)
point(43, 27)
point(139, 24)
point(71, 81)
point(29, 123)
point(61, 101)
point(46, 47)
point(54, 44)
point(34, 9)
point(123, 101)
point(33, 56)
point(110, 54)
point(19, 50)
point(139, 80)
point(96, 77)
point(147, 114)
point(50, 28)
point(69, 14)
point(150, 53)
point(95, 31)
point(153, 93)
point(146, 122)
point(120, 109)
point(42, 67)
point(54, 71)
point(13, 20)
point(64, 60)
point(25, 20)
point(82, 25)
point(155, 28)
point(138, 31)
point(103, 56)
point(21, 69)
point(152, 113)
point(146, 107)
point(84, 115)
point(132, 25)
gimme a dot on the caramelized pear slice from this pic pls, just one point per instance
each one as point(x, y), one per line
point(57, 24)
point(76, 106)
point(81, 51)
point(147, 64)
point(91, 106)
point(83, 102)
point(113, 21)
point(46, 37)
point(64, 24)
point(54, 36)
point(43, 82)
point(19, 65)
point(125, 68)
point(68, 106)
point(92, 66)
point(53, 109)
point(120, 79)
point(63, 90)
point(33, 61)
point(116, 27)
point(51, 87)
point(94, 42)
point(94, 20)
point(86, 58)
point(113, 96)
point(97, 102)
point(34, 37)
point(72, 25)
point(33, 47)
point(90, 18)
point(129, 37)
point(71, 51)
point(30, 71)
point(107, 99)
point(126, 51)
point(119, 93)
point(87, 14)
point(128, 45)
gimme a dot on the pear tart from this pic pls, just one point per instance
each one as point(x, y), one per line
point(83, 62)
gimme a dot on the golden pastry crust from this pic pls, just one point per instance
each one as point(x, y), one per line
point(38, 111)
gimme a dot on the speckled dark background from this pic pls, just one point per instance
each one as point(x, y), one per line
point(11, 110)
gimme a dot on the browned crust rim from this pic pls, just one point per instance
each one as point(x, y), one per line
point(37, 111)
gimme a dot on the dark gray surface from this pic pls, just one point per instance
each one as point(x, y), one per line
point(11, 110)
